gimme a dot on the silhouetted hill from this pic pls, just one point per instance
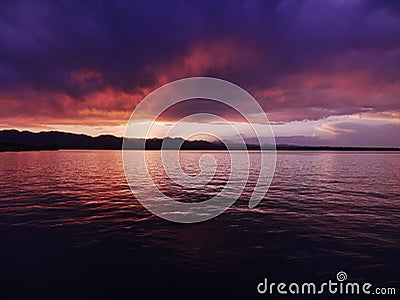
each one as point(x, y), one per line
point(14, 140)
point(56, 140)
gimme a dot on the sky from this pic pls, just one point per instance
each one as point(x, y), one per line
point(324, 72)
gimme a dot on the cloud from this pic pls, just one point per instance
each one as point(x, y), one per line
point(350, 134)
point(85, 62)
point(364, 135)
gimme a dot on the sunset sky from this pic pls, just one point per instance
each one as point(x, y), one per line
point(325, 72)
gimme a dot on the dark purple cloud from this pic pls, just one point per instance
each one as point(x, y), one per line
point(310, 58)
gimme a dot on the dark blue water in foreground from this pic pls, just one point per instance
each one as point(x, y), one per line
point(70, 228)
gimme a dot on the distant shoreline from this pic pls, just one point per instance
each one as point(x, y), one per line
point(17, 141)
point(294, 149)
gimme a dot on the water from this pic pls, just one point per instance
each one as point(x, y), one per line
point(71, 228)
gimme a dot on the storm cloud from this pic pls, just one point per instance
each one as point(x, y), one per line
point(91, 62)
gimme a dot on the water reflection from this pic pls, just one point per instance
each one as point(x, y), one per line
point(69, 217)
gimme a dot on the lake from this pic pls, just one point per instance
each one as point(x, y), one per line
point(71, 228)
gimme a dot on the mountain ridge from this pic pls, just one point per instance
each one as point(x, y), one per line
point(14, 140)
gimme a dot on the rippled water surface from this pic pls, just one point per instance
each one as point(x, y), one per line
point(71, 228)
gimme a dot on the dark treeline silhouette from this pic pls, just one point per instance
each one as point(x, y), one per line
point(14, 140)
